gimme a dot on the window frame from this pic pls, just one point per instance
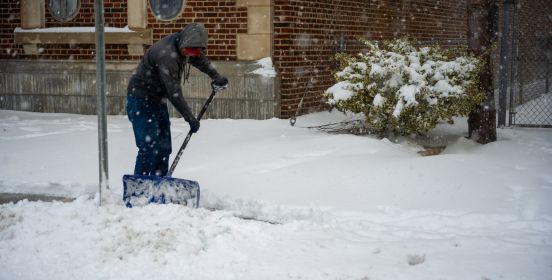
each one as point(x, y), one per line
point(62, 19)
point(159, 17)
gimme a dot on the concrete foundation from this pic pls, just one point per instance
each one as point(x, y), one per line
point(69, 87)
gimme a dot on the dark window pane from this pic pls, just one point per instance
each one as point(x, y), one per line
point(63, 10)
point(167, 9)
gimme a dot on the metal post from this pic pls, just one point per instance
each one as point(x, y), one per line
point(548, 46)
point(504, 66)
point(547, 81)
point(100, 96)
point(514, 66)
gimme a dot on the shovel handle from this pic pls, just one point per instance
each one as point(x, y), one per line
point(214, 91)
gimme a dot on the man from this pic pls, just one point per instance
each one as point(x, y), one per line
point(158, 78)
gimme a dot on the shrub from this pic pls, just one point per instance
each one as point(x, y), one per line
point(404, 89)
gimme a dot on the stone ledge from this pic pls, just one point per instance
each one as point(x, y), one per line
point(21, 36)
point(29, 38)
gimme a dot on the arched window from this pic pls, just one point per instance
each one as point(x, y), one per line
point(167, 9)
point(63, 10)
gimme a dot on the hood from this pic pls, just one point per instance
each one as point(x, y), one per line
point(193, 35)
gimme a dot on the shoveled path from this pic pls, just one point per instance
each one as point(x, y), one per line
point(15, 197)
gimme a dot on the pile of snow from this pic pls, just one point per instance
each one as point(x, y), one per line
point(340, 91)
point(266, 68)
point(279, 202)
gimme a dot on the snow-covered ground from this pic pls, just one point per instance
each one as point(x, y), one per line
point(536, 112)
point(291, 203)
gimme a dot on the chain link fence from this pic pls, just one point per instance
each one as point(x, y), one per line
point(522, 61)
point(525, 90)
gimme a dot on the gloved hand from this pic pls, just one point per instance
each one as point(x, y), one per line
point(194, 125)
point(220, 81)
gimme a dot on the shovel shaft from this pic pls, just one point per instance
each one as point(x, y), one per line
point(189, 136)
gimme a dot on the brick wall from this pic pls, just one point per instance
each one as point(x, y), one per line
point(223, 20)
point(306, 34)
point(9, 20)
point(306, 37)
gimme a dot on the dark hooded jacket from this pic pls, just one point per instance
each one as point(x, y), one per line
point(159, 73)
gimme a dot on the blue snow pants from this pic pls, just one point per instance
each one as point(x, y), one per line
point(151, 125)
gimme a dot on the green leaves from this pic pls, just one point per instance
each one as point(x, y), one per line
point(404, 89)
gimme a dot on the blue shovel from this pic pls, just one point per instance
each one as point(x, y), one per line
point(140, 190)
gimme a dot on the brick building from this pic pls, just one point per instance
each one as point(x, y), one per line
point(47, 64)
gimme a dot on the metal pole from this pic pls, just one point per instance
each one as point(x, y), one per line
point(547, 81)
point(100, 96)
point(504, 66)
point(548, 52)
point(513, 66)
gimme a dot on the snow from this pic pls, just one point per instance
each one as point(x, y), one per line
point(537, 111)
point(340, 91)
point(354, 70)
point(376, 70)
point(395, 81)
point(444, 88)
point(405, 73)
point(266, 68)
point(378, 100)
point(278, 202)
point(360, 66)
point(408, 93)
point(76, 29)
point(407, 97)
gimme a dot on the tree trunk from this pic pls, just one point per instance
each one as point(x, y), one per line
point(482, 120)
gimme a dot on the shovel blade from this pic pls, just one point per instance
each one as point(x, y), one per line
point(140, 190)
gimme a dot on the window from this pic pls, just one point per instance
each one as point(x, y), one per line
point(167, 9)
point(63, 10)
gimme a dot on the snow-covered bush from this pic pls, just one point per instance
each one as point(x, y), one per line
point(404, 89)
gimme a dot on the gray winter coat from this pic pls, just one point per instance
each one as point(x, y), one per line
point(159, 73)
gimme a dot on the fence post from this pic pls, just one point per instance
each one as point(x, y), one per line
point(514, 63)
point(548, 46)
point(504, 68)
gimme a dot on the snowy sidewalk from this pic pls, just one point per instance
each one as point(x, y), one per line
point(292, 203)
point(81, 241)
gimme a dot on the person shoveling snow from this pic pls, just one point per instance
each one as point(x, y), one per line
point(158, 78)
